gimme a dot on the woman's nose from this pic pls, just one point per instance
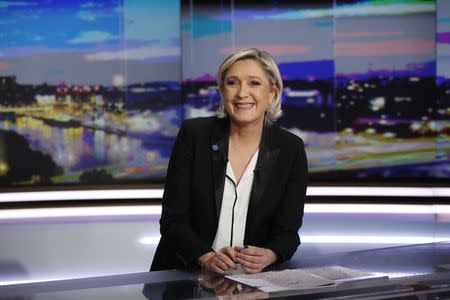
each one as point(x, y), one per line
point(243, 92)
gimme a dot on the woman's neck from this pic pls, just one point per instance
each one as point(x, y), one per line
point(246, 134)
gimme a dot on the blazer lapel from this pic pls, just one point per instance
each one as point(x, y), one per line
point(267, 158)
point(219, 158)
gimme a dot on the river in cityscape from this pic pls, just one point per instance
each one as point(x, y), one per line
point(141, 152)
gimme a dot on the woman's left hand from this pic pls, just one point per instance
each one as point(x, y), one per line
point(222, 286)
point(254, 259)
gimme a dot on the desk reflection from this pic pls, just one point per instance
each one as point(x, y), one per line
point(205, 286)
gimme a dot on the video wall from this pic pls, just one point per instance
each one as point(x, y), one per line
point(93, 92)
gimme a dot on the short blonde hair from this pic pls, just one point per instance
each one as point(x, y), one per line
point(272, 72)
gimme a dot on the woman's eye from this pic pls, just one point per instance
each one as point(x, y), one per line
point(255, 83)
point(232, 82)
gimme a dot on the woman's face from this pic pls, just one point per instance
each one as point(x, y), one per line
point(247, 92)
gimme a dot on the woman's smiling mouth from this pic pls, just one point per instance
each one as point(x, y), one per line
point(244, 105)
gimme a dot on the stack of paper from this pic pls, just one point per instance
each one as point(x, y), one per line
point(299, 279)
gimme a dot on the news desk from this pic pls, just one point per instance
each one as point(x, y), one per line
point(415, 272)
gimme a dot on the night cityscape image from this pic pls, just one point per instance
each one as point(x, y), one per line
point(100, 103)
point(94, 92)
point(364, 85)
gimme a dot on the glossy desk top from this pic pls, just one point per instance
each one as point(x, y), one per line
point(412, 270)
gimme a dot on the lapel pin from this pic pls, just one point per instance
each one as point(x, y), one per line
point(215, 147)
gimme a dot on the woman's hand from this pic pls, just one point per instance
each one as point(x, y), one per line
point(254, 259)
point(219, 262)
point(222, 286)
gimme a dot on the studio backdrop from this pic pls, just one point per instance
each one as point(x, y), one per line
point(93, 92)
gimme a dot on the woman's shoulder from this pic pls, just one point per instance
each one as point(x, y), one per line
point(285, 136)
point(199, 122)
point(200, 127)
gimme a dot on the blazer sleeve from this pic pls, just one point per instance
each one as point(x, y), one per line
point(175, 219)
point(284, 239)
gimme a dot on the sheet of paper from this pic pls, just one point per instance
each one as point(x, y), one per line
point(299, 279)
point(339, 274)
point(282, 280)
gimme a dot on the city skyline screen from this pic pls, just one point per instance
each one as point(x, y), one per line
point(366, 82)
point(90, 90)
point(94, 92)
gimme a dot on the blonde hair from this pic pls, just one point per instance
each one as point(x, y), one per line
point(272, 72)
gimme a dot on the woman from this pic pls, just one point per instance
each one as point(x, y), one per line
point(235, 183)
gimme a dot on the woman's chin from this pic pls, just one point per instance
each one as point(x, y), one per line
point(241, 120)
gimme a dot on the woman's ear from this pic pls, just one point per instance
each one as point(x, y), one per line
point(273, 93)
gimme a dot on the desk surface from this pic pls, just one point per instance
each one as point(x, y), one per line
point(412, 270)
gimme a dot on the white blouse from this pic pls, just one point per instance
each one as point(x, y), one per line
point(232, 225)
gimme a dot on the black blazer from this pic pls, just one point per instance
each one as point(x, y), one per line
point(194, 188)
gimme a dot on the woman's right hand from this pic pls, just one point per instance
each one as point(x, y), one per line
point(219, 262)
point(222, 286)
